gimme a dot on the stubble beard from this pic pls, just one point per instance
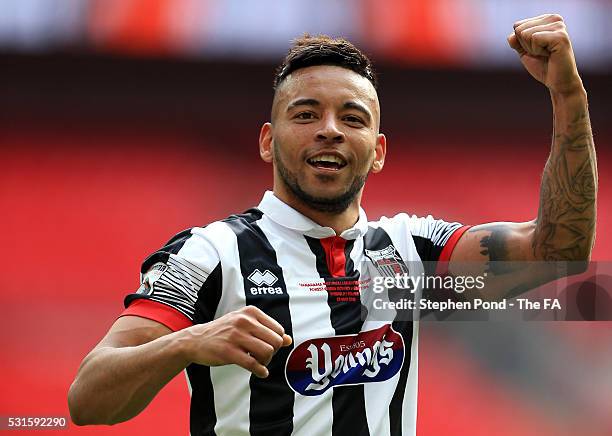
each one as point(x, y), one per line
point(330, 205)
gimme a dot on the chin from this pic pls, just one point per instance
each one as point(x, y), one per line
point(330, 183)
point(327, 192)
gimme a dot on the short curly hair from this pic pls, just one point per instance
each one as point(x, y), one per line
point(309, 51)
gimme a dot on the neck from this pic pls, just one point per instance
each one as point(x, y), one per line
point(339, 222)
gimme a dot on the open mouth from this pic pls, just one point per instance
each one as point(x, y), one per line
point(327, 162)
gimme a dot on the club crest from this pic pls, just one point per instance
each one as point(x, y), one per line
point(387, 262)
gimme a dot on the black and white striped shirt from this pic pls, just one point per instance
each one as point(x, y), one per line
point(343, 374)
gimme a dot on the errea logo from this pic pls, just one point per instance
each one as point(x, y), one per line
point(265, 278)
point(260, 278)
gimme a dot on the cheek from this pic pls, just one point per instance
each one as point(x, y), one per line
point(290, 142)
point(284, 151)
point(367, 151)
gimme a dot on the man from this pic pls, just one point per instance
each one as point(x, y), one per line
point(246, 305)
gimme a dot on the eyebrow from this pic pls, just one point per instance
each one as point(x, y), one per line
point(313, 102)
point(359, 107)
point(303, 102)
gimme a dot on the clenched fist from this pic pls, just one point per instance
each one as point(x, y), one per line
point(546, 52)
point(246, 337)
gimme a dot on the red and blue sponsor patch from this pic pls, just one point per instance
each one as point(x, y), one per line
point(317, 365)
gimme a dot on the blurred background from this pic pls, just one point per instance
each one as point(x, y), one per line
point(123, 122)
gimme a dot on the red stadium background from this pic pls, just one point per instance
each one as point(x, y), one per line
point(105, 158)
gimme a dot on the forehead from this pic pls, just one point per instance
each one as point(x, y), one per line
point(326, 83)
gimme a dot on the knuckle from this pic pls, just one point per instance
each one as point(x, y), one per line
point(556, 17)
point(564, 38)
point(251, 363)
point(269, 350)
point(244, 358)
point(251, 310)
point(242, 320)
point(278, 342)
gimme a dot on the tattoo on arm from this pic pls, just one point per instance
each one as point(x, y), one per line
point(495, 248)
point(502, 257)
point(565, 225)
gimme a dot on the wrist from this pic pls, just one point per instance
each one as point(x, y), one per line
point(569, 93)
point(183, 341)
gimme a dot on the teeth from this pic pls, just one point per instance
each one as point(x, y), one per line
point(327, 158)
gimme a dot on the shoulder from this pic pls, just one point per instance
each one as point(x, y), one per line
point(204, 243)
point(206, 233)
point(426, 227)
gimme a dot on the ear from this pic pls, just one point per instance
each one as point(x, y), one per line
point(381, 152)
point(265, 142)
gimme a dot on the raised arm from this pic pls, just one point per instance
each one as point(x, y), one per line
point(565, 226)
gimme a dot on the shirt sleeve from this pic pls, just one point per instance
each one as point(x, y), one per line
point(434, 239)
point(175, 281)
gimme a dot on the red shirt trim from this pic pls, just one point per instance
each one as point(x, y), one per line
point(334, 255)
point(162, 313)
point(447, 251)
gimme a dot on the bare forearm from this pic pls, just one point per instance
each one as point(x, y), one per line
point(115, 384)
point(565, 228)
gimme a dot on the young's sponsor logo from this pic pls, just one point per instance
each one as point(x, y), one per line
point(317, 365)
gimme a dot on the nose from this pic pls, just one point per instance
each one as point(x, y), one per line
point(329, 132)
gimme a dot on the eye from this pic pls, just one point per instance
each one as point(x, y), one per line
point(353, 119)
point(304, 116)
